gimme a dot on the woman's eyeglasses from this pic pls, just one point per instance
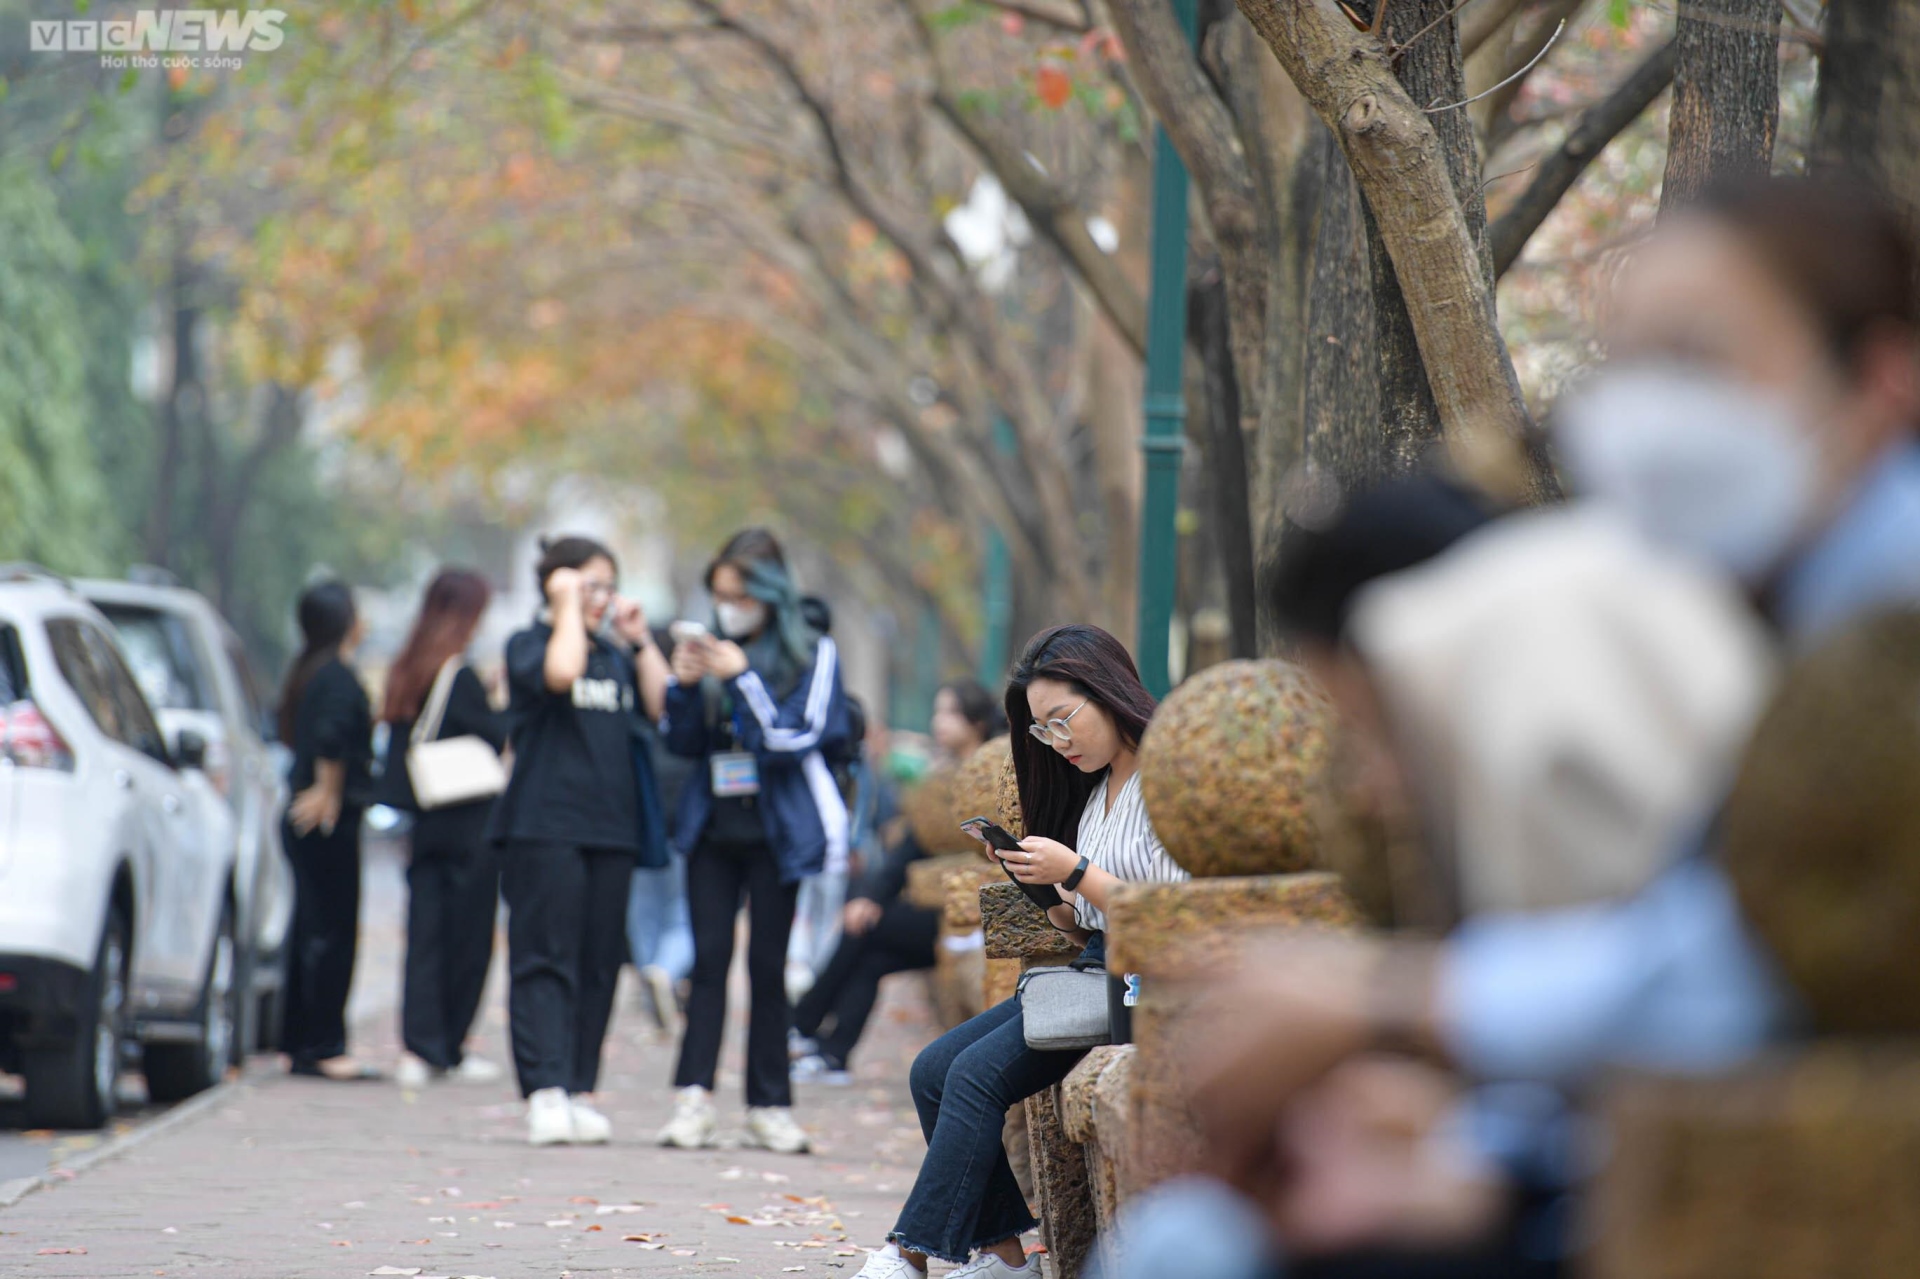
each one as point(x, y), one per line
point(597, 590)
point(1056, 730)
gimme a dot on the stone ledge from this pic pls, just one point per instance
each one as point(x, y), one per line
point(927, 878)
point(1015, 927)
point(961, 900)
point(1164, 929)
point(1078, 1107)
point(1801, 1165)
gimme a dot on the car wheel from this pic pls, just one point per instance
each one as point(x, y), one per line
point(175, 1071)
point(76, 1084)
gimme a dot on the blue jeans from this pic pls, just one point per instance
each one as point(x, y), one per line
point(965, 1197)
point(659, 931)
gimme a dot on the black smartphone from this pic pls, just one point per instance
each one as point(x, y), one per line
point(1000, 839)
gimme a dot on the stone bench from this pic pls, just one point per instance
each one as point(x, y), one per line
point(951, 885)
point(1805, 1164)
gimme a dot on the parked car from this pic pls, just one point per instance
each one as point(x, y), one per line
point(194, 671)
point(118, 908)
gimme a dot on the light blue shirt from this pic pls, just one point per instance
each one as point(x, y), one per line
point(1671, 979)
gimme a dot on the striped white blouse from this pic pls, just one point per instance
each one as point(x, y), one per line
point(1122, 843)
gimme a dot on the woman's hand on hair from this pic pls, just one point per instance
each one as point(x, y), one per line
point(1041, 861)
point(563, 584)
point(726, 659)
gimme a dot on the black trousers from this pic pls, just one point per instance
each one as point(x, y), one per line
point(901, 940)
point(453, 891)
point(718, 877)
point(566, 938)
point(323, 938)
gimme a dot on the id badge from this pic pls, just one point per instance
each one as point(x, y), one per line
point(735, 773)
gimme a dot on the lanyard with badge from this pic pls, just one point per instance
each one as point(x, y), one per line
point(735, 773)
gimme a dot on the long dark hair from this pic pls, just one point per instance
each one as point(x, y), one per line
point(569, 551)
point(326, 616)
point(456, 599)
point(1097, 667)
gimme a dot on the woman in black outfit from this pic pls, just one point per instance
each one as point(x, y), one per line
point(453, 874)
point(880, 933)
point(579, 810)
point(325, 718)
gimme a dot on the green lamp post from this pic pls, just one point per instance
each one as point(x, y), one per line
point(1164, 440)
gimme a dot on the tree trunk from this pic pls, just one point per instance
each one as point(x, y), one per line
point(1726, 95)
point(1869, 120)
point(184, 399)
point(1223, 445)
point(1344, 387)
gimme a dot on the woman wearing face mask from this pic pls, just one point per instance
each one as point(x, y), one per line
point(881, 933)
point(578, 811)
point(1760, 406)
point(760, 706)
point(326, 719)
point(1080, 711)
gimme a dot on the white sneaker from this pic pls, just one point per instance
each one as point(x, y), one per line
point(989, 1265)
point(476, 1070)
point(888, 1263)
point(773, 1128)
point(817, 1069)
point(666, 1006)
point(549, 1118)
point(694, 1125)
point(412, 1074)
point(590, 1127)
point(799, 1045)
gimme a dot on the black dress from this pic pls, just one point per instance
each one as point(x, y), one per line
point(333, 722)
point(453, 888)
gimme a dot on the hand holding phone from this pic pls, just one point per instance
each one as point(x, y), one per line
point(1000, 842)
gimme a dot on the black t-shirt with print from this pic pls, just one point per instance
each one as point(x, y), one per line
point(573, 753)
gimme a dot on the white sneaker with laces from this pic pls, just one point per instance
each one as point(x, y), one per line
point(549, 1118)
point(476, 1070)
point(590, 1127)
point(773, 1128)
point(990, 1265)
point(694, 1125)
point(888, 1263)
point(412, 1074)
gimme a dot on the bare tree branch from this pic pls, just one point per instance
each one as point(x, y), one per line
point(1598, 125)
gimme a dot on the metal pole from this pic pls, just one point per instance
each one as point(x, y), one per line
point(1164, 440)
point(997, 587)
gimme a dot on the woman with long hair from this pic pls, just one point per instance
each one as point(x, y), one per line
point(1080, 712)
point(881, 933)
point(453, 873)
point(326, 720)
point(761, 706)
point(580, 810)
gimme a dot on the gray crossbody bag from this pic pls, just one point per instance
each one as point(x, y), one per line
point(1064, 1006)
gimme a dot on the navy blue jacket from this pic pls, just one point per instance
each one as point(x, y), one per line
point(805, 816)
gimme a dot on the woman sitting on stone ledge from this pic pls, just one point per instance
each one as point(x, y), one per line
point(1079, 711)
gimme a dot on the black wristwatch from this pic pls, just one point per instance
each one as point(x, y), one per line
point(1072, 882)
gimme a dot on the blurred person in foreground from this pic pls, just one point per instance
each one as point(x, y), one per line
point(327, 721)
point(659, 929)
point(816, 913)
point(579, 811)
point(453, 871)
point(760, 707)
point(881, 933)
point(1760, 418)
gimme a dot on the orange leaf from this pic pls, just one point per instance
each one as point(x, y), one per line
point(1053, 86)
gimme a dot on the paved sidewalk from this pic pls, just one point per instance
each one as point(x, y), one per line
point(292, 1177)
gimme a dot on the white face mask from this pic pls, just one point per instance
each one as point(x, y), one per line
point(1700, 462)
point(738, 621)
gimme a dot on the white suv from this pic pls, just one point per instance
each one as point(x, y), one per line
point(117, 920)
point(192, 668)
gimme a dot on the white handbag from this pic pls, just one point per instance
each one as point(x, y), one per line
point(458, 770)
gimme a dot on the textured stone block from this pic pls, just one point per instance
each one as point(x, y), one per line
point(1171, 929)
point(984, 786)
point(959, 984)
point(1805, 1165)
point(1229, 767)
point(1015, 927)
point(962, 885)
point(1067, 1220)
point(927, 878)
point(928, 806)
point(1003, 977)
